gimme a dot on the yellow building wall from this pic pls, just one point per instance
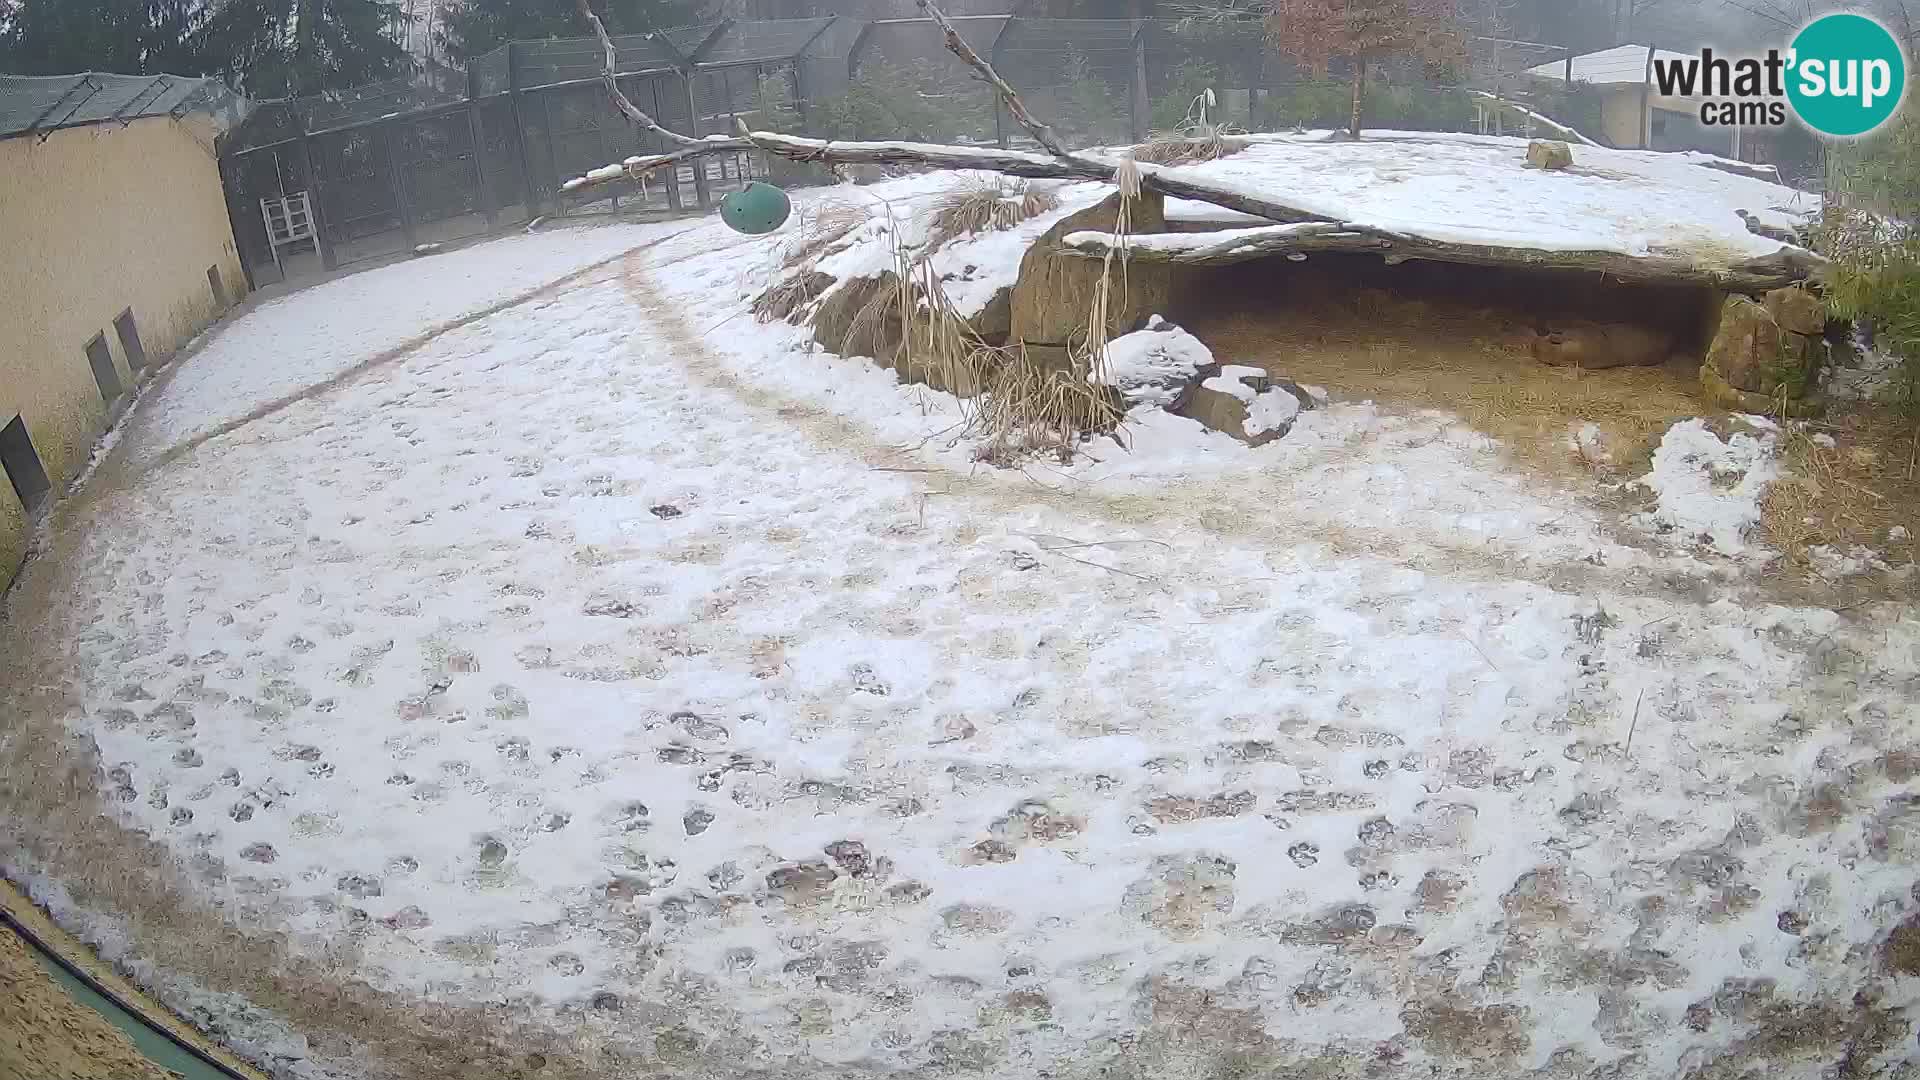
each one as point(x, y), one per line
point(94, 220)
point(1621, 117)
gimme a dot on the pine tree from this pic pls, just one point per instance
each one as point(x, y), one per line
point(477, 27)
point(276, 48)
point(129, 37)
point(1364, 33)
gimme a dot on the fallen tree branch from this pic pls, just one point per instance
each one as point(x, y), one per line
point(1042, 132)
point(1555, 126)
point(827, 152)
point(1225, 246)
point(608, 75)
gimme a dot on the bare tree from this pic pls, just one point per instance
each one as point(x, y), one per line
point(1363, 33)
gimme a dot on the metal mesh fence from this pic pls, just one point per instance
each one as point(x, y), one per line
point(445, 153)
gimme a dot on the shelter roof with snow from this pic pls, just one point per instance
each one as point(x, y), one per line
point(1450, 197)
point(1622, 64)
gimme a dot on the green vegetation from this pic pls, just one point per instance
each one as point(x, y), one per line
point(773, 108)
point(890, 102)
point(1869, 233)
point(1092, 108)
point(1327, 103)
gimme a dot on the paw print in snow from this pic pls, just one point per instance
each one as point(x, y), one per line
point(865, 681)
point(1304, 854)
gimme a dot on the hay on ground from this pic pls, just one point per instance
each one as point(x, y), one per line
point(1193, 143)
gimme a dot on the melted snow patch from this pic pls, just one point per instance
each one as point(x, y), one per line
point(1708, 488)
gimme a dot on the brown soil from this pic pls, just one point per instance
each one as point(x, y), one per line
point(76, 952)
point(46, 1035)
point(1850, 493)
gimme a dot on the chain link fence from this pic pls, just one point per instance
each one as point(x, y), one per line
point(447, 154)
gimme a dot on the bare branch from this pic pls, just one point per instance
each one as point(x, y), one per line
point(1042, 133)
point(620, 101)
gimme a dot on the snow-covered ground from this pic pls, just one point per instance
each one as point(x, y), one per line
point(696, 695)
point(295, 342)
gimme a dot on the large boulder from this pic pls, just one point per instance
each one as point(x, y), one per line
point(1746, 348)
point(1796, 310)
point(1549, 154)
point(1055, 290)
point(1244, 402)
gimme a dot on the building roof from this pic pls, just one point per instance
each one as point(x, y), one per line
point(1620, 64)
point(43, 103)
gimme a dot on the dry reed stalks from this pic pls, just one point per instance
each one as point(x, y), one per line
point(820, 227)
point(985, 205)
point(1190, 144)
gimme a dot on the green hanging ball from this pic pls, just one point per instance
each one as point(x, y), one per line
point(755, 209)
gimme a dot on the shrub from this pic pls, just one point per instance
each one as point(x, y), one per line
point(890, 102)
point(1870, 233)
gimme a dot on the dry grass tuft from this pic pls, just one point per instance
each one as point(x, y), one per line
point(821, 225)
point(1850, 493)
point(988, 205)
point(1015, 403)
point(1032, 407)
point(790, 297)
point(1193, 143)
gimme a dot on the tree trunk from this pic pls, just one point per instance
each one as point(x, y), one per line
point(1227, 246)
point(1359, 91)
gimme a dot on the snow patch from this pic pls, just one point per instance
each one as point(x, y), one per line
point(1708, 488)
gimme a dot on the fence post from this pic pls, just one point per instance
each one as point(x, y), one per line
point(478, 136)
point(1138, 111)
point(672, 171)
point(553, 161)
point(316, 198)
point(693, 126)
point(398, 182)
point(514, 95)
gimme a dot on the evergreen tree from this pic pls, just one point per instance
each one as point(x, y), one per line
point(477, 27)
point(129, 37)
point(278, 48)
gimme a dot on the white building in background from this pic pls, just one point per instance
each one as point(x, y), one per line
point(1635, 114)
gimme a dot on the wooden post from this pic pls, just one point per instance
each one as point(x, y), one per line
point(528, 191)
point(476, 132)
point(316, 198)
point(553, 163)
point(693, 125)
point(1138, 111)
point(1646, 104)
point(673, 174)
point(397, 181)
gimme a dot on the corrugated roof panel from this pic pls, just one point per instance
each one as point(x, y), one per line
point(31, 103)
